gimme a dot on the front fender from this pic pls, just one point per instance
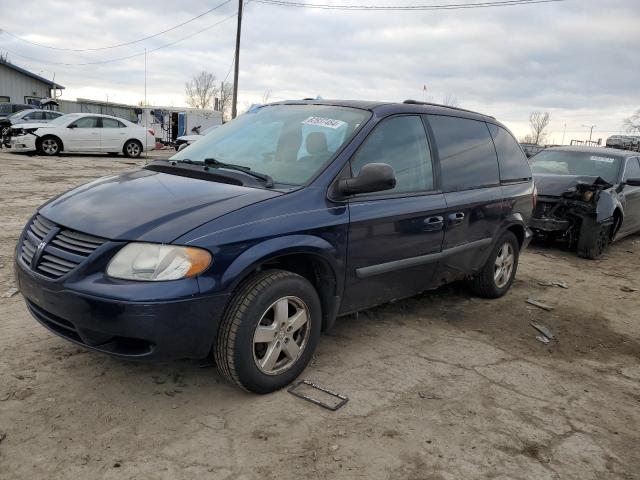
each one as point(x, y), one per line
point(607, 204)
point(273, 248)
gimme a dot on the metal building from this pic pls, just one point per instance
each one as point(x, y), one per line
point(18, 85)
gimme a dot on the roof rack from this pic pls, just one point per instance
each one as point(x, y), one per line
point(417, 102)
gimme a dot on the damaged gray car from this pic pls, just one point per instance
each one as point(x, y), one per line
point(587, 196)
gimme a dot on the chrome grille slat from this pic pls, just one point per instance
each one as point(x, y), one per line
point(67, 250)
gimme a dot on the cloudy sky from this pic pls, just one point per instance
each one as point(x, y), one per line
point(577, 59)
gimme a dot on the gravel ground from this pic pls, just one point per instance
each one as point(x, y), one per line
point(441, 386)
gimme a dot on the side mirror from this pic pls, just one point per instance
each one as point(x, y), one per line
point(374, 177)
point(73, 125)
point(633, 182)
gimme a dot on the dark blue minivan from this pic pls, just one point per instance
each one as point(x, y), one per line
point(252, 241)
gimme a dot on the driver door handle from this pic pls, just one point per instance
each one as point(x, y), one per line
point(455, 218)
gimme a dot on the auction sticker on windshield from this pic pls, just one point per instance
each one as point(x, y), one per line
point(324, 122)
point(602, 159)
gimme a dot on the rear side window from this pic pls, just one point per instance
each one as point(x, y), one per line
point(467, 156)
point(402, 143)
point(513, 162)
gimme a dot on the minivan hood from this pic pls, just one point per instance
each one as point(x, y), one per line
point(549, 185)
point(148, 206)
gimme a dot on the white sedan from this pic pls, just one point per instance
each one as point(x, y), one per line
point(82, 132)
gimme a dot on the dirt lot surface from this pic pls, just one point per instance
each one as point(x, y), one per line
point(442, 386)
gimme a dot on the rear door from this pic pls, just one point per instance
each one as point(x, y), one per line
point(472, 192)
point(394, 236)
point(631, 221)
point(113, 135)
point(83, 135)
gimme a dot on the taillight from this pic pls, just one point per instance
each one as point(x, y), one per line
point(152, 132)
point(534, 198)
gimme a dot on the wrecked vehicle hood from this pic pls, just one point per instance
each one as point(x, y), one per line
point(148, 206)
point(550, 185)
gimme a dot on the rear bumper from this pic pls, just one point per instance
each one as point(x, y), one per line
point(184, 328)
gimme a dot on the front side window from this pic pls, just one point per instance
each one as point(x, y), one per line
point(633, 168)
point(86, 122)
point(112, 123)
point(511, 159)
point(402, 143)
point(51, 115)
point(291, 143)
point(467, 156)
point(566, 162)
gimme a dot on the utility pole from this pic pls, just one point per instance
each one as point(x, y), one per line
point(236, 67)
point(590, 127)
point(564, 133)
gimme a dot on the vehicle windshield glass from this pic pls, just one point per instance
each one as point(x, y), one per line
point(20, 113)
point(290, 143)
point(559, 162)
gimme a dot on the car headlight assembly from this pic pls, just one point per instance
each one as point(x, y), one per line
point(151, 262)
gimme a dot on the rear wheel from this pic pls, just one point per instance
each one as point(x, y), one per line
point(269, 332)
point(50, 146)
point(498, 273)
point(132, 149)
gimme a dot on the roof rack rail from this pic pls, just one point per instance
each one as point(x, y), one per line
point(417, 102)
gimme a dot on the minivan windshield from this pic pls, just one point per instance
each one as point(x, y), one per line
point(562, 162)
point(290, 143)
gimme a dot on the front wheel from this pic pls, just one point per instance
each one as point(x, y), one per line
point(594, 239)
point(50, 146)
point(132, 149)
point(269, 332)
point(499, 272)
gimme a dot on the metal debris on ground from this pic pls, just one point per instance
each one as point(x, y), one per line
point(429, 396)
point(10, 293)
point(628, 289)
point(543, 339)
point(554, 283)
point(544, 330)
point(538, 304)
point(295, 390)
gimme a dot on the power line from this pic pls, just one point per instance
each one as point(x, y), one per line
point(118, 44)
point(453, 6)
point(99, 62)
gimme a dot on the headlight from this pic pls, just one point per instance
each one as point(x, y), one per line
point(154, 262)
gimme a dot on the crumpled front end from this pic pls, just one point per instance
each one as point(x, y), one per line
point(561, 218)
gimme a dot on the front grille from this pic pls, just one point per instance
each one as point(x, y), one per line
point(65, 249)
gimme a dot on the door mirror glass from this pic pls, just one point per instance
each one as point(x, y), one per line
point(373, 177)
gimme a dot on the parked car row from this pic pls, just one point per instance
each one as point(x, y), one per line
point(80, 132)
point(249, 243)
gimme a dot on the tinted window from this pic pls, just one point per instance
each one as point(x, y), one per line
point(111, 123)
point(633, 169)
point(513, 163)
point(86, 122)
point(467, 156)
point(402, 143)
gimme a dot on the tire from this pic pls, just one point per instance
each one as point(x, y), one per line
point(263, 367)
point(493, 280)
point(49, 146)
point(132, 149)
point(594, 239)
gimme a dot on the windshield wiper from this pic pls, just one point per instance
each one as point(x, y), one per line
point(212, 162)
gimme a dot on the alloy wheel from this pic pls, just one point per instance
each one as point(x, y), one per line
point(49, 146)
point(133, 149)
point(281, 335)
point(503, 266)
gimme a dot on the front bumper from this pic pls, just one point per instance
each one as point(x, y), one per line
point(23, 143)
point(173, 328)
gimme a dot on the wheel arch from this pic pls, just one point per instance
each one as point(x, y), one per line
point(50, 135)
point(308, 256)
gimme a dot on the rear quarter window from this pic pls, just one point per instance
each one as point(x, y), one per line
point(467, 155)
point(511, 159)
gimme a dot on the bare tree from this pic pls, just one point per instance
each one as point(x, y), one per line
point(266, 96)
point(226, 97)
point(450, 100)
point(4, 57)
point(201, 90)
point(632, 124)
point(538, 122)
